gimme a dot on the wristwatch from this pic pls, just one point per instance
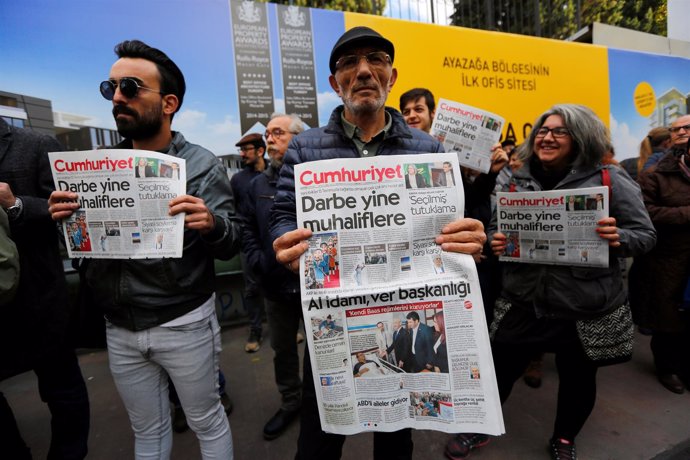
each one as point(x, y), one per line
point(14, 210)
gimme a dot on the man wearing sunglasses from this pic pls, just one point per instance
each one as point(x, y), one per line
point(362, 74)
point(160, 313)
point(280, 286)
point(251, 149)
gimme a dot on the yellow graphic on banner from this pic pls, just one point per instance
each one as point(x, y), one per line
point(515, 76)
point(645, 99)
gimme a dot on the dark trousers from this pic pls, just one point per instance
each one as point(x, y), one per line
point(61, 386)
point(577, 387)
point(671, 355)
point(252, 296)
point(315, 444)
point(283, 320)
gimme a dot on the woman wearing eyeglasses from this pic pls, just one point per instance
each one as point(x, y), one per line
point(548, 307)
point(666, 192)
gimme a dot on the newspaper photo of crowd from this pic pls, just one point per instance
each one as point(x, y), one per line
point(431, 404)
point(78, 232)
point(322, 266)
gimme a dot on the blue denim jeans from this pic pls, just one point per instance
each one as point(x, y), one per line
point(141, 363)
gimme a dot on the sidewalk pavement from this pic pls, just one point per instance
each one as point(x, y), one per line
point(634, 418)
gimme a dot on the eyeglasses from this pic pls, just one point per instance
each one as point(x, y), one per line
point(557, 132)
point(246, 148)
point(675, 129)
point(129, 88)
point(378, 59)
point(277, 133)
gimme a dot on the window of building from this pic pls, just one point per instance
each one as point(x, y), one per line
point(8, 101)
point(16, 122)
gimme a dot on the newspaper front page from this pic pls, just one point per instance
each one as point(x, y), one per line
point(468, 131)
point(396, 327)
point(555, 227)
point(123, 197)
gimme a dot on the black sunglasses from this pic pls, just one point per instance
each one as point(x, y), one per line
point(129, 88)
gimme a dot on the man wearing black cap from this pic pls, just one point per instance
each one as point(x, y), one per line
point(362, 74)
point(251, 150)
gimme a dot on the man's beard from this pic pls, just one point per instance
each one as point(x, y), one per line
point(367, 106)
point(139, 127)
point(276, 163)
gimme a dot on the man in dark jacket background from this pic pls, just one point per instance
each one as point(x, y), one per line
point(280, 286)
point(362, 74)
point(33, 332)
point(251, 149)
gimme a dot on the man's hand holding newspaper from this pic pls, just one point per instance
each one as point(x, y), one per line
point(464, 236)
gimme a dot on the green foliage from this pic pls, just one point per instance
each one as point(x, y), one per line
point(560, 18)
point(355, 6)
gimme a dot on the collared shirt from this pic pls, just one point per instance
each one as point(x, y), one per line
point(365, 149)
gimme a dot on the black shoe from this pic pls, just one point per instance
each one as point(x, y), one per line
point(462, 444)
point(533, 374)
point(278, 423)
point(672, 383)
point(179, 420)
point(562, 449)
point(227, 403)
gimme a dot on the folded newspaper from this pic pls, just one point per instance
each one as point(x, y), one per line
point(396, 327)
point(555, 227)
point(123, 197)
point(468, 131)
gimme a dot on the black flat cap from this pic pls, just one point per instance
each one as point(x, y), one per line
point(359, 36)
point(252, 138)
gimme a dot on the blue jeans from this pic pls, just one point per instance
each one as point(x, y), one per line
point(172, 393)
point(141, 363)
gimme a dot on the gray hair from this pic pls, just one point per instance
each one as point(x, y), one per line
point(591, 139)
point(296, 125)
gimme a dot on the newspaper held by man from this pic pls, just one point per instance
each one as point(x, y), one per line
point(396, 327)
point(468, 131)
point(123, 198)
point(554, 227)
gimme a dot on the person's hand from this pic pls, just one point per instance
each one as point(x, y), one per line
point(62, 204)
point(499, 244)
point(363, 370)
point(290, 246)
point(464, 236)
point(607, 230)
point(7, 198)
point(499, 158)
point(197, 217)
